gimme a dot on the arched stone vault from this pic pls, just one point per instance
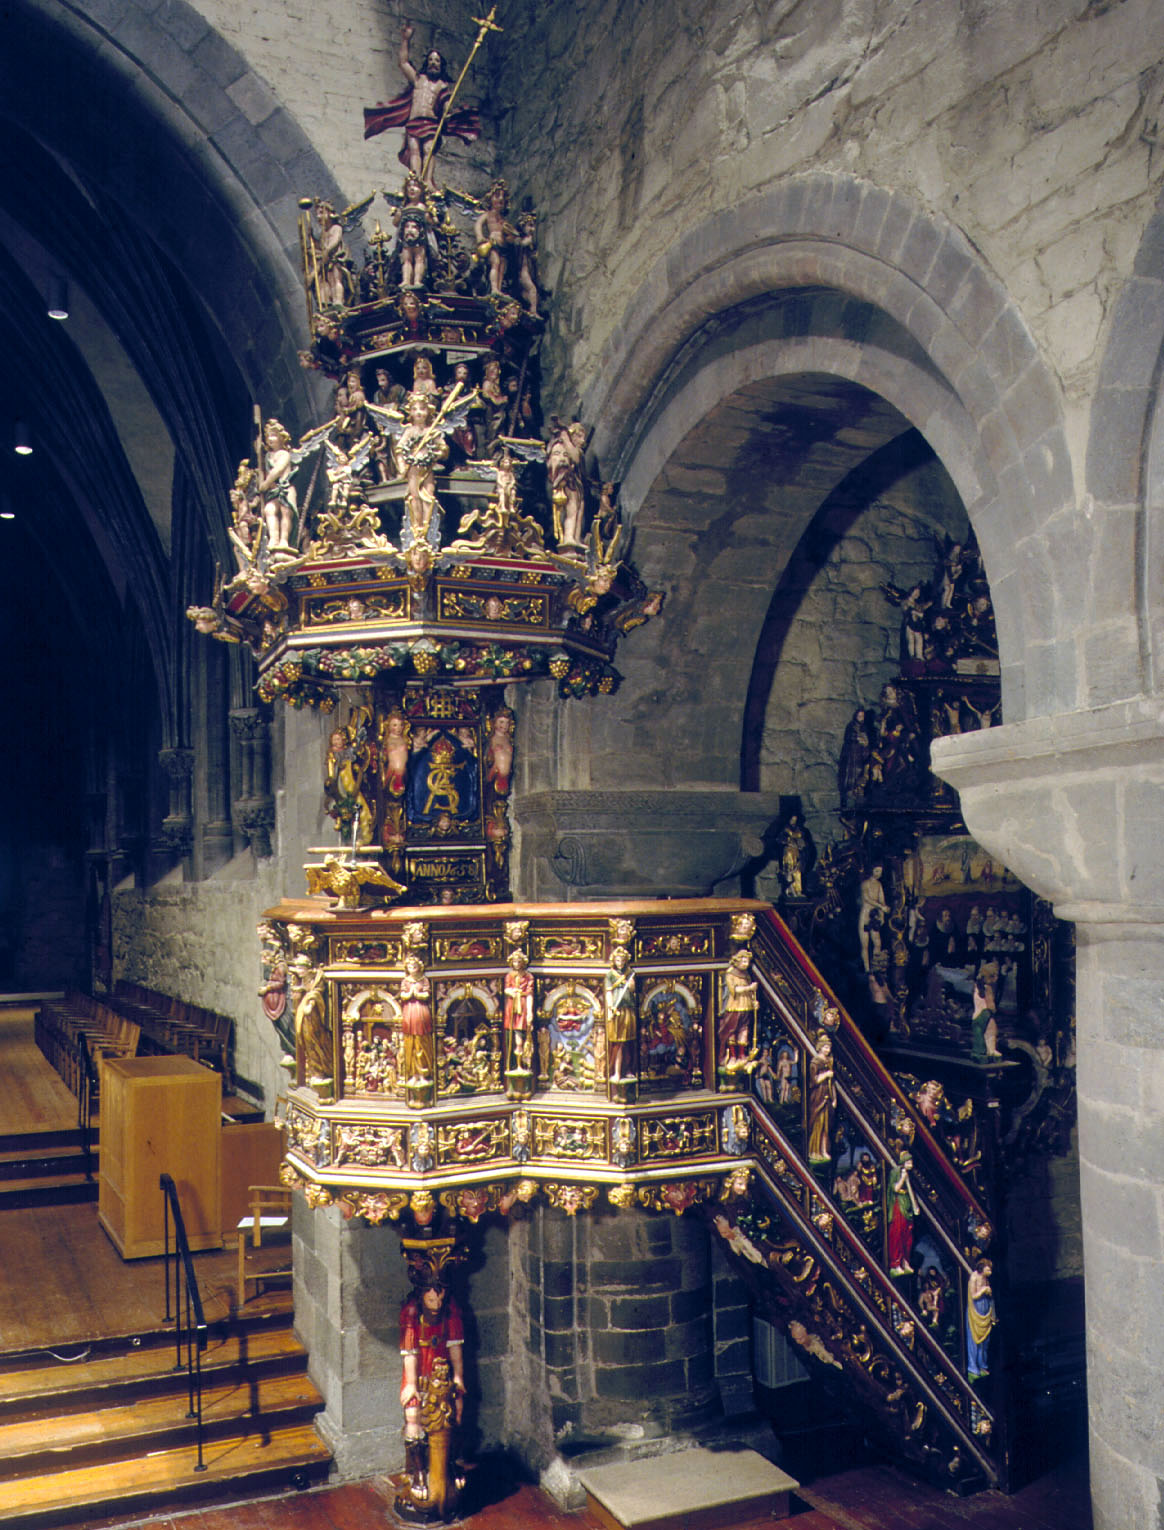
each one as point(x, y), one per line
point(159, 113)
point(944, 344)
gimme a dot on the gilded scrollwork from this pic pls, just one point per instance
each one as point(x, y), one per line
point(474, 946)
point(571, 1198)
point(473, 1141)
point(568, 1137)
point(365, 953)
point(673, 943)
point(677, 1196)
point(370, 1146)
point(669, 1137)
point(563, 946)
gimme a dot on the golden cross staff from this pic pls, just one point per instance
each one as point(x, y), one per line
point(453, 400)
point(484, 24)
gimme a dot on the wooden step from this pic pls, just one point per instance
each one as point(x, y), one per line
point(40, 1163)
point(66, 1190)
point(240, 1405)
point(33, 1389)
point(233, 1466)
point(32, 1142)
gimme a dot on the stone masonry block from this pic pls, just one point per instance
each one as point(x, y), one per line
point(1114, 445)
point(1121, 1211)
point(622, 1347)
point(649, 1385)
point(689, 1304)
point(635, 1312)
point(253, 97)
point(221, 61)
point(182, 22)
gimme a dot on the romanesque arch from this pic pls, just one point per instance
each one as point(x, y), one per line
point(896, 301)
point(1125, 477)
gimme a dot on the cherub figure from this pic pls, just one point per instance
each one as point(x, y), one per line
point(499, 751)
point(280, 507)
point(419, 448)
point(495, 235)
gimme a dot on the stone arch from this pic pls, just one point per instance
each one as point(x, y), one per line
point(899, 302)
point(156, 110)
point(1125, 484)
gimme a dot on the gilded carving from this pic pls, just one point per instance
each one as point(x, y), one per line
point(677, 1136)
point(671, 1034)
point(371, 1040)
point(374, 1206)
point(571, 1198)
point(664, 943)
point(472, 1141)
point(474, 947)
point(365, 953)
point(573, 1015)
point(677, 1196)
point(370, 1146)
point(468, 1051)
point(573, 945)
point(568, 1137)
point(477, 605)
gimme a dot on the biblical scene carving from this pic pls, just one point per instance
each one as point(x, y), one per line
point(671, 1034)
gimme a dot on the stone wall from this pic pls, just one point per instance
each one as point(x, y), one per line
point(350, 1282)
point(197, 942)
point(841, 638)
point(325, 63)
point(1032, 129)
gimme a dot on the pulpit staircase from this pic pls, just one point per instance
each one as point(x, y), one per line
point(812, 1239)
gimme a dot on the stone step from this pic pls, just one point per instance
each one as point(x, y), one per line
point(696, 1489)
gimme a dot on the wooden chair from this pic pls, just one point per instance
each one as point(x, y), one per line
point(269, 1221)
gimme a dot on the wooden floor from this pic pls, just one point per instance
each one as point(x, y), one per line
point(62, 1283)
point(872, 1498)
point(33, 1098)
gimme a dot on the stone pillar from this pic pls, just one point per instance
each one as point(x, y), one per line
point(614, 1315)
point(217, 829)
point(178, 824)
point(1075, 806)
point(625, 844)
point(254, 806)
point(349, 1283)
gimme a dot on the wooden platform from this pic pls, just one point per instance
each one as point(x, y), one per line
point(687, 1490)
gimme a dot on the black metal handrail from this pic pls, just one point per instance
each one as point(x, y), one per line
point(86, 1094)
point(190, 1324)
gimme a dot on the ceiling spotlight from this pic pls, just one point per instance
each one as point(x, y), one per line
point(21, 442)
point(58, 306)
point(7, 515)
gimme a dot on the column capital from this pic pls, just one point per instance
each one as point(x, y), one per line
point(1073, 804)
